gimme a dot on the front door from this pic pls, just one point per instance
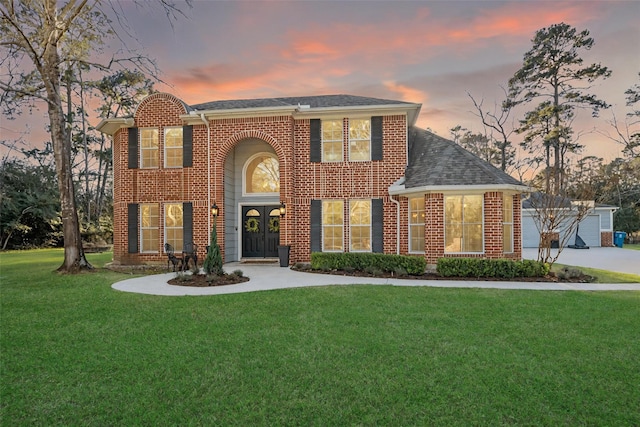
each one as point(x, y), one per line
point(260, 231)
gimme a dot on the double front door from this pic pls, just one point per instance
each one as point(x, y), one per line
point(260, 231)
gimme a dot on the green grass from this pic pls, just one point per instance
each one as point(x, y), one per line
point(602, 276)
point(634, 246)
point(76, 352)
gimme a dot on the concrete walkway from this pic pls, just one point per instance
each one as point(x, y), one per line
point(271, 277)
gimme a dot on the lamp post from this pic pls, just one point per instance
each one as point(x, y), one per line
point(283, 250)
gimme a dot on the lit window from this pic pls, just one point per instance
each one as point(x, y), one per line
point(332, 141)
point(173, 225)
point(416, 224)
point(360, 225)
point(173, 147)
point(359, 139)
point(149, 228)
point(149, 148)
point(332, 225)
point(507, 224)
point(463, 224)
point(262, 174)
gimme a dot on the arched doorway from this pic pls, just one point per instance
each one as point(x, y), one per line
point(252, 198)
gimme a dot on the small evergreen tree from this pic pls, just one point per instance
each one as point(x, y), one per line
point(213, 260)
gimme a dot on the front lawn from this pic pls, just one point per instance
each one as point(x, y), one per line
point(76, 352)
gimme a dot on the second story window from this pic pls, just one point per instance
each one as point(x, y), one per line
point(359, 140)
point(149, 148)
point(332, 141)
point(173, 147)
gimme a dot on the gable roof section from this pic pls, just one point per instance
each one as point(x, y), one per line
point(438, 164)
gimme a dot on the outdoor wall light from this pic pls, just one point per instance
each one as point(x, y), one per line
point(214, 210)
point(283, 209)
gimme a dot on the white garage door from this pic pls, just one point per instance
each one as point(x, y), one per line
point(530, 233)
point(589, 231)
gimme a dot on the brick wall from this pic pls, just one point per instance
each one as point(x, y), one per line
point(606, 239)
point(300, 182)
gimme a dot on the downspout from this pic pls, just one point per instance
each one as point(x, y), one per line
point(397, 203)
point(206, 123)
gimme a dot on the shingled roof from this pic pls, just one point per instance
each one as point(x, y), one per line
point(436, 161)
point(321, 101)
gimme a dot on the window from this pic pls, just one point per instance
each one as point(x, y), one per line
point(332, 225)
point(173, 147)
point(262, 174)
point(173, 225)
point(507, 224)
point(149, 148)
point(359, 140)
point(463, 224)
point(332, 141)
point(416, 224)
point(360, 225)
point(149, 228)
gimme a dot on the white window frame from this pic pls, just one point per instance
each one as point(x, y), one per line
point(173, 147)
point(144, 149)
point(355, 140)
point(351, 225)
point(416, 224)
point(245, 178)
point(508, 222)
point(177, 247)
point(152, 250)
point(463, 223)
point(325, 226)
point(332, 141)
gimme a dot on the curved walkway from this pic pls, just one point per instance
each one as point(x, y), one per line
point(271, 277)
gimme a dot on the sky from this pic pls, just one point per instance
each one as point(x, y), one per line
point(430, 52)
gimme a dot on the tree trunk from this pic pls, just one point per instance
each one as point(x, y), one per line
point(74, 258)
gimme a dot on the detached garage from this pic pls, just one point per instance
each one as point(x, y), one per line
point(596, 229)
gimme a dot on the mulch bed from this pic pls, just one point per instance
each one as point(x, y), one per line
point(202, 280)
point(551, 277)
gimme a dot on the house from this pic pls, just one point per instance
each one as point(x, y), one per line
point(350, 173)
point(595, 229)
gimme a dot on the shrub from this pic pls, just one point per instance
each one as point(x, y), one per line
point(238, 273)
point(359, 261)
point(498, 268)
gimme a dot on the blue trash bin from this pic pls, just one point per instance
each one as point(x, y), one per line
point(618, 238)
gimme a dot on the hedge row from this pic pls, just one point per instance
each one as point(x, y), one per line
point(500, 268)
point(361, 261)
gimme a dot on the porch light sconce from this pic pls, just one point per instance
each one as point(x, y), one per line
point(283, 209)
point(214, 210)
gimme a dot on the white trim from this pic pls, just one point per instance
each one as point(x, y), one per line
point(111, 126)
point(399, 189)
point(244, 175)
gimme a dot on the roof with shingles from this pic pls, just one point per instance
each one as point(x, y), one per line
point(320, 101)
point(436, 161)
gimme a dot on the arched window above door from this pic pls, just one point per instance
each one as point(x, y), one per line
point(261, 175)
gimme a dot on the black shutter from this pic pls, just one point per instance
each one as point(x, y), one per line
point(377, 226)
point(133, 148)
point(187, 146)
point(132, 227)
point(315, 140)
point(187, 223)
point(376, 138)
point(316, 226)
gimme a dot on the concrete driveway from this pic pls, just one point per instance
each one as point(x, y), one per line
point(612, 259)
